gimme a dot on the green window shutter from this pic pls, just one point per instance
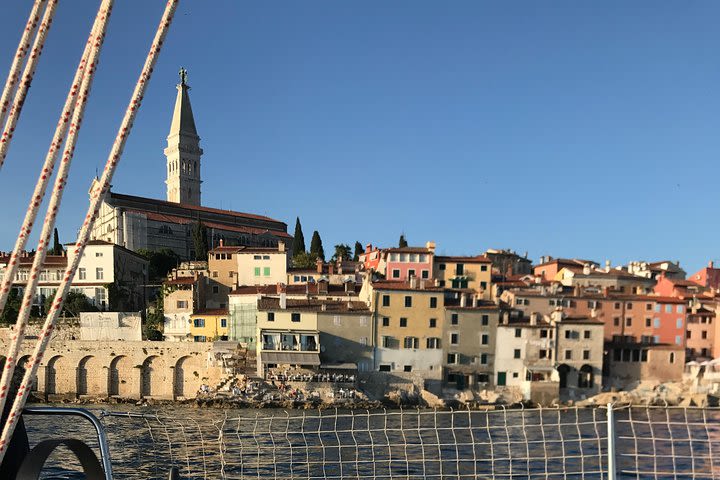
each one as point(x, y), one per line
point(257, 271)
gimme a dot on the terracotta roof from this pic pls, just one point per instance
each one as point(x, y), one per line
point(475, 259)
point(391, 285)
point(297, 289)
point(212, 311)
point(409, 250)
point(181, 281)
point(161, 217)
point(244, 249)
point(273, 303)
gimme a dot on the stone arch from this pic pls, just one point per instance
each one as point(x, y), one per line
point(58, 379)
point(152, 377)
point(22, 365)
point(90, 376)
point(186, 380)
point(120, 377)
point(563, 371)
point(586, 377)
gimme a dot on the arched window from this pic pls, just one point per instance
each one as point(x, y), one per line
point(563, 371)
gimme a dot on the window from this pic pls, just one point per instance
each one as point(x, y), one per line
point(672, 357)
point(586, 334)
point(703, 334)
point(223, 322)
point(257, 271)
point(668, 308)
point(386, 301)
point(485, 320)
point(454, 338)
point(441, 266)
point(452, 358)
point(266, 271)
point(656, 322)
point(265, 257)
point(433, 343)
point(98, 254)
point(407, 368)
point(678, 340)
point(460, 269)
point(363, 340)
point(543, 354)
point(568, 354)
point(411, 273)
point(388, 342)
point(516, 374)
point(454, 319)
point(629, 305)
point(271, 316)
point(568, 334)
point(679, 309)
point(384, 368)
point(648, 306)
point(257, 257)
point(408, 301)
point(82, 274)
point(628, 322)
point(442, 283)
point(403, 322)
point(99, 273)
point(518, 332)
point(433, 323)
point(215, 274)
point(688, 334)
point(483, 268)
point(216, 289)
point(199, 338)
point(586, 354)
point(516, 353)
point(617, 305)
point(433, 302)
point(483, 359)
point(483, 285)
point(411, 342)
point(385, 322)
point(679, 323)
point(648, 322)
point(658, 307)
point(425, 274)
point(484, 339)
point(396, 273)
point(182, 304)
point(199, 322)
point(295, 317)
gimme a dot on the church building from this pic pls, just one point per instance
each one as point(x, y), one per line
point(138, 222)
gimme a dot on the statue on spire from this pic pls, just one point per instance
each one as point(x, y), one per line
point(183, 76)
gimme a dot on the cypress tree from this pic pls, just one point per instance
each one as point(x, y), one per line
point(316, 246)
point(358, 251)
point(299, 239)
point(200, 241)
point(402, 243)
point(57, 248)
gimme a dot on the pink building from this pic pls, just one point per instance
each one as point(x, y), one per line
point(672, 287)
point(669, 319)
point(371, 258)
point(403, 263)
point(708, 276)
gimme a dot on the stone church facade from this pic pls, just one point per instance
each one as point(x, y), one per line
point(138, 222)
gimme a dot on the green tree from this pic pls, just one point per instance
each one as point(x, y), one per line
point(57, 248)
point(316, 246)
point(161, 262)
point(358, 251)
point(304, 260)
point(75, 302)
point(12, 308)
point(200, 241)
point(154, 324)
point(402, 243)
point(298, 245)
point(342, 252)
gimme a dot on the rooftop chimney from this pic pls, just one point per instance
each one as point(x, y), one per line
point(711, 264)
point(430, 246)
point(280, 288)
point(463, 300)
point(368, 248)
point(319, 265)
point(586, 269)
point(221, 242)
point(607, 265)
point(534, 318)
point(331, 268)
point(283, 300)
point(281, 246)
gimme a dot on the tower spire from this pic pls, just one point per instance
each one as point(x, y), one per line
point(183, 150)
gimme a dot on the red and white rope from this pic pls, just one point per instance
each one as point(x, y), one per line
point(27, 78)
point(97, 36)
point(96, 196)
point(45, 174)
point(19, 59)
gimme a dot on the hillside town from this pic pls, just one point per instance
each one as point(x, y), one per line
point(235, 292)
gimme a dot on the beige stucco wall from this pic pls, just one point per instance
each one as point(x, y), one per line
point(246, 264)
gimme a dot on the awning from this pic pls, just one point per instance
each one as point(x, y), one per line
point(339, 366)
point(291, 358)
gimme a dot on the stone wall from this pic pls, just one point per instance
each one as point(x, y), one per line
point(121, 369)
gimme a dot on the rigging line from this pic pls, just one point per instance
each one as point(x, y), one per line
point(26, 81)
point(45, 173)
point(96, 196)
point(99, 29)
point(19, 59)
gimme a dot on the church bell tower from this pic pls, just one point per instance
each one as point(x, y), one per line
point(183, 150)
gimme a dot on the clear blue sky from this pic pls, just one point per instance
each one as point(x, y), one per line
point(567, 128)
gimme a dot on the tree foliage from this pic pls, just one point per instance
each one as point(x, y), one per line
point(57, 248)
point(12, 308)
point(316, 246)
point(304, 260)
point(342, 252)
point(154, 324)
point(200, 241)
point(75, 302)
point(402, 243)
point(161, 262)
point(359, 250)
point(298, 245)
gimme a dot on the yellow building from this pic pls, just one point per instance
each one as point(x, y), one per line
point(209, 325)
point(474, 273)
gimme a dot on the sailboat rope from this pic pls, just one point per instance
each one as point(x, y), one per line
point(96, 195)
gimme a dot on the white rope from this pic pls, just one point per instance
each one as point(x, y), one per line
point(90, 58)
point(27, 78)
point(19, 59)
point(96, 197)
